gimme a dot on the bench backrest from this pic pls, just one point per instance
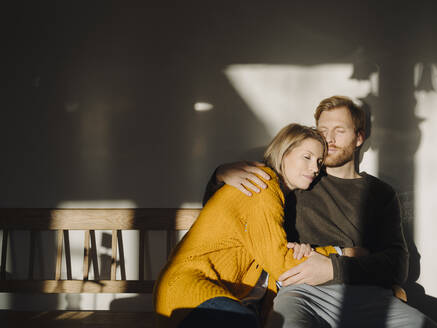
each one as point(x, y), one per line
point(89, 220)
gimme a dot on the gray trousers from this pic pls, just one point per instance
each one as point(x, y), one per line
point(342, 306)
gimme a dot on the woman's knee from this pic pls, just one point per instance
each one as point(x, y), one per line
point(221, 312)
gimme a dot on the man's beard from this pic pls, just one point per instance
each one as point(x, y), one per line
point(341, 156)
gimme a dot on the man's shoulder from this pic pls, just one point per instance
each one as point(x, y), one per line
point(377, 184)
point(327, 184)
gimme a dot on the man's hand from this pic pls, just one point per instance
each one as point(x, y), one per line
point(241, 175)
point(316, 270)
point(300, 250)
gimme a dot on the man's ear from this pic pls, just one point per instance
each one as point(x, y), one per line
point(360, 139)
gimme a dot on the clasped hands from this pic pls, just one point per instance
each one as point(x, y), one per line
point(317, 269)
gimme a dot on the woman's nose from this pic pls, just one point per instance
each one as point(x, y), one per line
point(314, 167)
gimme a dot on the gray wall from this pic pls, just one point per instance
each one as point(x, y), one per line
point(98, 108)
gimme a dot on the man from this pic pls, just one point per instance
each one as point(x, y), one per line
point(347, 209)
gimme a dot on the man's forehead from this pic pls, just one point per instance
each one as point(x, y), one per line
point(337, 116)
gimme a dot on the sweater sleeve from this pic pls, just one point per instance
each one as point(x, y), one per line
point(388, 262)
point(264, 235)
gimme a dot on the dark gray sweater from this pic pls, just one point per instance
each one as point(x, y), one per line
point(353, 212)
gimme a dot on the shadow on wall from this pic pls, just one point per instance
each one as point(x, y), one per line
point(396, 136)
point(99, 103)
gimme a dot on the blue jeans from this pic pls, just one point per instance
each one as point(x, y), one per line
point(221, 312)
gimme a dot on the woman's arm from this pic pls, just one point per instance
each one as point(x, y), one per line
point(264, 235)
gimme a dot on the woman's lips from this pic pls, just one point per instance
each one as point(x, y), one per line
point(309, 177)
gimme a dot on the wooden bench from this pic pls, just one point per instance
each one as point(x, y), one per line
point(88, 220)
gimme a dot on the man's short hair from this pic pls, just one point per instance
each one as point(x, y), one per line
point(357, 113)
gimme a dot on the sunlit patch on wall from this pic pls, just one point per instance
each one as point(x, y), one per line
point(425, 77)
point(425, 225)
point(191, 205)
point(108, 203)
point(278, 94)
point(203, 106)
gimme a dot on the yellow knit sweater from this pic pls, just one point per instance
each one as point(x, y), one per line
point(223, 254)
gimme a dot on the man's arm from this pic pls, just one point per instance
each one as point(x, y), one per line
point(388, 262)
point(241, 175)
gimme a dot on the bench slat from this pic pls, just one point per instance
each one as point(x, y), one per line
point(59, 255)
point(141, 254)
point(122, 261)
point(67, 254)
point(76, 286)
point(94, 255)
point(114, 254)
point(32, 251)
point(4, 252)
point(86, 251)
point(98, 219)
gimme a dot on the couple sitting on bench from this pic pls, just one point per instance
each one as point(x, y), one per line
point(347, 250)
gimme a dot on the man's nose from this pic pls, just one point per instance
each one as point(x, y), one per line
point(330, 137)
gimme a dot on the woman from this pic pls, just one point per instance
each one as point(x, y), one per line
point(216, 266)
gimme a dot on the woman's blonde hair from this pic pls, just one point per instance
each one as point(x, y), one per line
point(289, 137)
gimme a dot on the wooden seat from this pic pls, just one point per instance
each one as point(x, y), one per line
point(89, 220)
